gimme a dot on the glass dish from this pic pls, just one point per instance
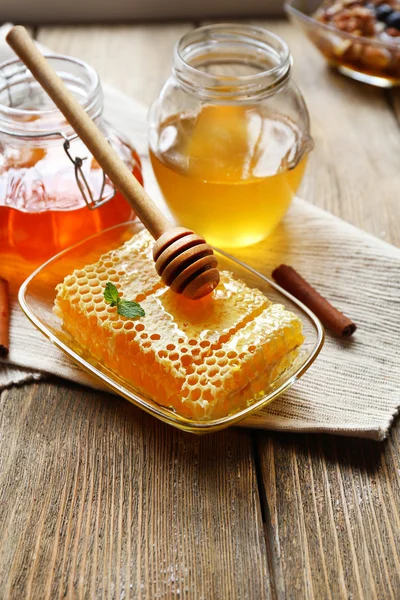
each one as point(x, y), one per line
point(37, 294)
point(365, 59)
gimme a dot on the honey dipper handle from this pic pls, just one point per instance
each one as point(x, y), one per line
point(151, 217)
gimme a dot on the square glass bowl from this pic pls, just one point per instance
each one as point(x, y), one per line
point(373, 61)
point(37, 294)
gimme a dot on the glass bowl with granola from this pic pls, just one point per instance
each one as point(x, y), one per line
point(360, 38)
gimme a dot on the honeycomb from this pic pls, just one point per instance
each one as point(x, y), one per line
point(204, 358)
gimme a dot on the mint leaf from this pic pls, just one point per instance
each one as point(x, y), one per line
point(111, 295)
point(129, 309)
point(126, 308)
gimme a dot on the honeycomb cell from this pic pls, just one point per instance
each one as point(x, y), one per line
point(97, 290)
point(196, 395)
point(186, 360)
point(70, 280)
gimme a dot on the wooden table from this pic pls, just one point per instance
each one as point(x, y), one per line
point(99, 500)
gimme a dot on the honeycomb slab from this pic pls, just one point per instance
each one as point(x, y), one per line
point(205, 359)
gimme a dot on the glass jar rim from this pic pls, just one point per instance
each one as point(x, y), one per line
point(91, 102)
point(266, 81)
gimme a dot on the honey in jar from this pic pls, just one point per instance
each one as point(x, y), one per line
point(229, 133)
point(42, 205)
point(229, 172)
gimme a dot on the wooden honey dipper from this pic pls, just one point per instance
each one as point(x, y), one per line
point(184, 260)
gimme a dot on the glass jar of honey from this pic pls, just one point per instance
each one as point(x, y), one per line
point(229, 133)
point(52, 192)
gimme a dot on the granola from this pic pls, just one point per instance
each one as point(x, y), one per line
point(375, 20)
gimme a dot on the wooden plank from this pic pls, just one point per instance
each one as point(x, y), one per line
point(332, 504)
point(135, 59)
point(333, 515)
point(98, 499)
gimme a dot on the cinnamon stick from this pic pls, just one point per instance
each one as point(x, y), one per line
point(4, 318)
point(294, 283)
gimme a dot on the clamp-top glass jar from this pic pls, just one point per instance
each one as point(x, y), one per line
point(52, 191)
point(229, 133)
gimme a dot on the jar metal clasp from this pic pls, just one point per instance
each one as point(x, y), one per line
point(81, 180)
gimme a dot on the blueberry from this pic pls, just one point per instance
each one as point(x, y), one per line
point(393, 20)
point(383, 12)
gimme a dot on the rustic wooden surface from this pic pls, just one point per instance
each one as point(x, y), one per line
point(98, 500)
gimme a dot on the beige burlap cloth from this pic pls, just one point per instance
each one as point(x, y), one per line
point(354, 386)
